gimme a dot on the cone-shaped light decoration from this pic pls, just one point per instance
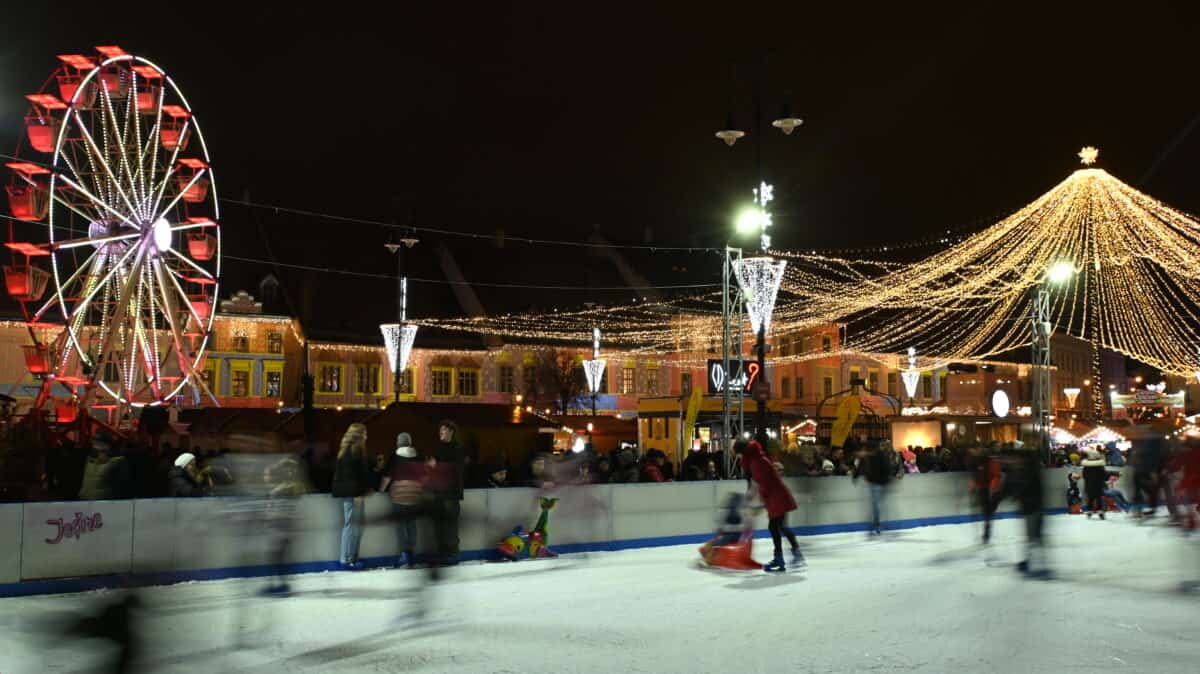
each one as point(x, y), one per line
point(759, 279)
point(1072, 394)
point(594, 369)
point(911, 376)
point(402, 334)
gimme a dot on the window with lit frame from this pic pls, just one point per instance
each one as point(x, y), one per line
point(468, 382)
point(331, 379)
point(826, 344)
point(628, 380)
point(442, 381)
point(652, 381)
point(241, 343)
point(506, 379)
point(368, 378)
point(406, 381)
point(274, 342)
point(529, 380)
point(274, 385)
point(239, 384)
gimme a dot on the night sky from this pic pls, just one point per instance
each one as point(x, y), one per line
point(570, 124)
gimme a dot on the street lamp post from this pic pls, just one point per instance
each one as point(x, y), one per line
point(396, 335)
point(1042, 329)
point(753, 220)
point(759, 279)
point(594, 371)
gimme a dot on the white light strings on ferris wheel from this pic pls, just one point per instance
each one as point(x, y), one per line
point(108, 175)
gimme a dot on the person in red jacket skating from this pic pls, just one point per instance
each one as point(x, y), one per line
point(775, 497)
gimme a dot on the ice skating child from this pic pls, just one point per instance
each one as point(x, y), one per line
point(1111, 491)
point(1074, 500)
point(730, 544)
point(1094, 478)
point(775, 498)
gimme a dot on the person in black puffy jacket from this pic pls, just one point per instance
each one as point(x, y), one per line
point(351, 482)
point(1094, 477)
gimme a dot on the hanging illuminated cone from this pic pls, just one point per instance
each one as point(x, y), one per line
point(1072, 394)
point(403, 335)
point(911, 376)
point(759, 279)
point(594, 369)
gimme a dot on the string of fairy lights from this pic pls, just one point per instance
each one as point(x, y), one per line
point(1135, 290)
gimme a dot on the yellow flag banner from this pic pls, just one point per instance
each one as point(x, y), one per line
point(693, 410)
point(847, 414)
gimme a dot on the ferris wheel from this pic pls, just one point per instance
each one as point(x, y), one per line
point(114, 235)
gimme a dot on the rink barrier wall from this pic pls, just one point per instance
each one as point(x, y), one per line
point(48, 548)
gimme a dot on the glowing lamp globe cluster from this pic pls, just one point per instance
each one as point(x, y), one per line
point(115, 245)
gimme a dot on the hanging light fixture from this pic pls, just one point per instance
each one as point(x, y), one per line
point(1072, 394)
point(911, 376)
point(594, 369)
point(398, 334)
point(730, 134)
point(759, 279)
point(787, 122)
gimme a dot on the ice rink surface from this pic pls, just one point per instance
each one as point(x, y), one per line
point(920, 600)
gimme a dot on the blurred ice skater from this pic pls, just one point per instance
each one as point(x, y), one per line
point(877, 465)
point(285, 484)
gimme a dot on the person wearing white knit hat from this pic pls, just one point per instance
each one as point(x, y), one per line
point(186, 479)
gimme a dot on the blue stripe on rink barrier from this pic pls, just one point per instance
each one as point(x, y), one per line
point(90, 583)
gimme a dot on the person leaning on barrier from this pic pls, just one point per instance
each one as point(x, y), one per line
point(186, 478)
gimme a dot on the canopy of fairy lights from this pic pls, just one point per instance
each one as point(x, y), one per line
point(1135, 290)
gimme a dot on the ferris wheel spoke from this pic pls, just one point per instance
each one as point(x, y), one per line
point(172, 274)
point(150, 150)
point(182, 192)
point(170, 170)
point(193, 265)
point(98, 202)
point(84, 301)
point(116, 183)
point(95, 175)
point(119, 135)
point(97, 241)
point(122, 305)
point(90, 262)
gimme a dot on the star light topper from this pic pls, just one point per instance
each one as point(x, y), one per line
point(1087, 155)
point(763, 195)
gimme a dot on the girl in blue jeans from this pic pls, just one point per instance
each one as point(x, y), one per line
point(351, 483)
